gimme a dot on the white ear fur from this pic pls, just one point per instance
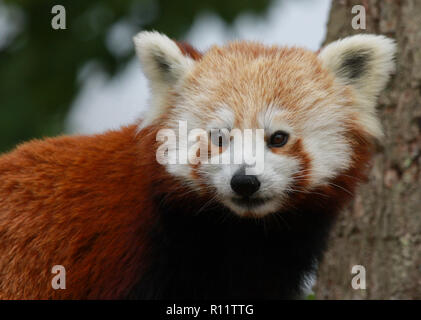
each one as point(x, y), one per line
point(164, 66)
point(364, 62)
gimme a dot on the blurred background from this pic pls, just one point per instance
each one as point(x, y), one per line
point(86, 79)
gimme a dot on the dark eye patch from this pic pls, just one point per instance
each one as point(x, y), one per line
point(219, 138)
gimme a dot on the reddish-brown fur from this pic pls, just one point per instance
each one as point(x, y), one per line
point(188, 50)
point(80, 202)
point(87, 203)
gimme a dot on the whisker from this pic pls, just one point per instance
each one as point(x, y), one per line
point(342, 188)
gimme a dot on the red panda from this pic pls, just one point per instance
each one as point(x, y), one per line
point(125, 226)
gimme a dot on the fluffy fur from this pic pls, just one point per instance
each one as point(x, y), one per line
point(125, 226)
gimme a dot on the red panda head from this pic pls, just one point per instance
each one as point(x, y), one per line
point(315, 111)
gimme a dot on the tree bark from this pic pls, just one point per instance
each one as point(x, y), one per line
point(381, 229)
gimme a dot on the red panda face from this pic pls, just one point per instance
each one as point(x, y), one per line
point(301, 110)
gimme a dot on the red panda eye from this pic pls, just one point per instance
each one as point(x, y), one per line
point(278, 139)
point(218, 138)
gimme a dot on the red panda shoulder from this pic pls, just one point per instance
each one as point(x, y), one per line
point(81, 202)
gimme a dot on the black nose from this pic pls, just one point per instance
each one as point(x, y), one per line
point(244, 185)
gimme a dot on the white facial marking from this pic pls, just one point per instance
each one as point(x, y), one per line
point(320, 129)
point(324, 107)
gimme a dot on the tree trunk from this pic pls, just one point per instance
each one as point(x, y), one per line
point(381, 229)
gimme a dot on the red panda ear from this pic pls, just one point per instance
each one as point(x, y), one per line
point(362, 61)
point(165, 63)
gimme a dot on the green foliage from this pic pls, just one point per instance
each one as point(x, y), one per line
point(311, 296)
point(38, 69)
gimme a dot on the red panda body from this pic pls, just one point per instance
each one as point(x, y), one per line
point(76, 202)
point(125, 226)
point(104, 209)
point(101, 207)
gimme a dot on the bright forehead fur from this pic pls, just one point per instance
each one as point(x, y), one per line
point(260, 83)
point(275, 89)
point(247, 77)
point(345, 79)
